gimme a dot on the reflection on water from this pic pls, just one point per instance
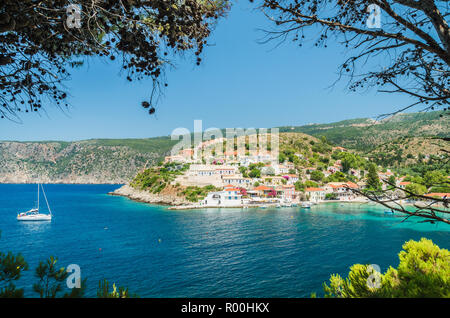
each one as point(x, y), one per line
point(35, 226)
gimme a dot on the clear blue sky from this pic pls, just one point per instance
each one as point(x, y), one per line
point(240, 83)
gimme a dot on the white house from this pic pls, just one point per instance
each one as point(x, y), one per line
point(315, 194)
point(227, 198)
point(237, 181)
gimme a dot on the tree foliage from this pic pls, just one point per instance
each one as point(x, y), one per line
point(424, 271)
point(50, 278)
point(11, 267)
point(408, 52)
point(373, 182)
point(42, 40)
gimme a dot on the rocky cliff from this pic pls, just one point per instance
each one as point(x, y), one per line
point(91, 161)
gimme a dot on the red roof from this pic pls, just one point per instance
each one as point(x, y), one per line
point(233, 189)
point(441, 195)
point(262, 188)
point(334, 186)
point(405, 183)
point(352, 185)
point(313, 189)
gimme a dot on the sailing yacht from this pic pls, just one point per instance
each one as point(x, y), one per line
point(33, 214)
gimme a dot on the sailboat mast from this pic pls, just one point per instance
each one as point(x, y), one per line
point(38, 197)
point(46, 201)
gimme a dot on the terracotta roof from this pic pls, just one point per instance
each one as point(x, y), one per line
point(232, 189)
point(313, 189)
point(405, 183)
point(335, 186)
point(262, 188)
point(441, 195)
point(352, 185)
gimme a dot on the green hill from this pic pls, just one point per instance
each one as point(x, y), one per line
point(366, 134)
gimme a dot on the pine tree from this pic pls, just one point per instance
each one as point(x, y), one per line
point(373, 182)
point(11, 267)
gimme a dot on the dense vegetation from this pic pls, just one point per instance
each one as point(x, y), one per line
point(158, 178)
point(195, 194)
point(424, 271)
point(365, 134)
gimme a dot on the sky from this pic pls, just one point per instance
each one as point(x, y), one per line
point(240, 83)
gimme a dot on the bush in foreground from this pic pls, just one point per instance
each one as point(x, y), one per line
point(424, 271)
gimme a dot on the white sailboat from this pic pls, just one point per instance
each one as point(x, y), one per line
point(33, 214)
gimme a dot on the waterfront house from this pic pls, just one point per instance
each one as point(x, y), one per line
point(288, 192)
point(342, 190)
point(230, 197)
point(315, 194)
point(263, 190)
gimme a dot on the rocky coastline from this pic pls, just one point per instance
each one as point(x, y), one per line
point(147, 197)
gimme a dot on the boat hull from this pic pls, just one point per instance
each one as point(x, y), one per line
point(39, 217)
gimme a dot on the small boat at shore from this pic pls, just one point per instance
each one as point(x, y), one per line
point(306, 205)
point(33, 214)
point(389, 212)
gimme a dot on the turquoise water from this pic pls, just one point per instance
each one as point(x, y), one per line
point(284, 252)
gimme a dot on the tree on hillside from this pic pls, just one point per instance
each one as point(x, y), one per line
point(399, 46)
point(42, 40)
point(373, 181)
point(416, 188)
point(317, 175)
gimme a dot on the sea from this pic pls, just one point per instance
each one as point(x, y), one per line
point(156, 252)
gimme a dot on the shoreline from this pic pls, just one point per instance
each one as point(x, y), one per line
point(146, 197)
point(64, 183)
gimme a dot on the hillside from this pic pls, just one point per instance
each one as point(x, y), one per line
point(398, 141)
point(365, 134)
point(88, 161)
point(410, 151)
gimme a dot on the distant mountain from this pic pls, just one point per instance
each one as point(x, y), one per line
point(365, 134)
point(118, 160)
point(88, 161)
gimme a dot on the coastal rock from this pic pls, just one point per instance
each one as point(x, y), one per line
point(144, 196)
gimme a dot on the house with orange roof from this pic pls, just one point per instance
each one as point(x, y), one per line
point(315, 194)
point(444, 196)
point(263, 190)
point(342, 190)
point(403, 184)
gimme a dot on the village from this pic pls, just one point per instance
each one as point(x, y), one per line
point(260, 180)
